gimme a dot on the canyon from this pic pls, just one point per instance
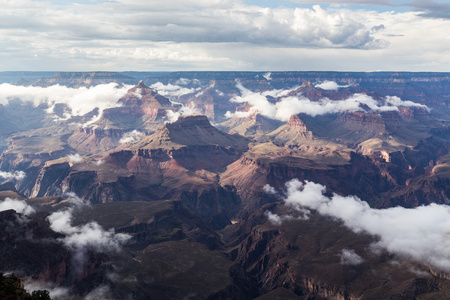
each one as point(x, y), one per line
point(192, 168)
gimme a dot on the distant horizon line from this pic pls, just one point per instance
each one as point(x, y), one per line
point(222, 71)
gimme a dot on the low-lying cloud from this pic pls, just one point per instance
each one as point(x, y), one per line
point(101, 292)
point(350, 258)
point(172, 116)
point(91, 235)
point(79, 101)
point(74, 199)
point(419, 233)
point(17, 175)
point(55, 291)
point(173, 91)
point(291, 105)
point(268, 76)
point(19, 206)
point(75, 158)
point(131, 137)
point(270, 189)
point(330, 86)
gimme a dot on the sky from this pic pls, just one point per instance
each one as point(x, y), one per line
point(226, 35)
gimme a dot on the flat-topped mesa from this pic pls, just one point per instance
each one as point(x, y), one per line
point(144, 96)
point(190, 121)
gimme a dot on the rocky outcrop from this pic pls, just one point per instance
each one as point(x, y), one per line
point(49, 179)
point(91, 140)
point(294, 134)
point(144, 97)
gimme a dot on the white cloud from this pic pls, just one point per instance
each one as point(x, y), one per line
point(55, 292)
point(267, 76)
point(420, 233)
point(131, 137)
point(331, 29)
point(101, 292)
point(74, 199)
point(172, 116)
point(173, 91)
point(213, 23)
point(349, 257)
point(270, 189)
point(330, 86)
point(347, 2)
point(288, 106)
point(75, 158)
point(17, 175)
point(222, 35)
point(183, 81)
point(19, 206)
point(273, 218)
point(90, 236)
point(278, 220)
point(79, 100)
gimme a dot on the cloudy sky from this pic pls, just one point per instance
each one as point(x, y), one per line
point(154, 35)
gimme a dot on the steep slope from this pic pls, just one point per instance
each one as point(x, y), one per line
point(191, 130)
point(144, 97)
point(294, 133)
